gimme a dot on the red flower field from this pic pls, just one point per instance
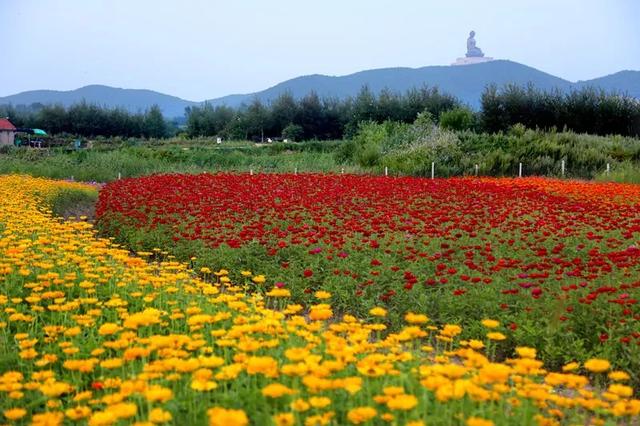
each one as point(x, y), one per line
point(557, 261)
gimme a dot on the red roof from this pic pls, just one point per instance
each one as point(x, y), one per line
point(5, 124)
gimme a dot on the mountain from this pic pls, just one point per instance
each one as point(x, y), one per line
point(134, 100)
point(465, 82)
point(624, 81)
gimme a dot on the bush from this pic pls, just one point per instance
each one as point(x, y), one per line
point(458, 119)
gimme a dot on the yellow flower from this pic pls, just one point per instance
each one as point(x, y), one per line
point(321, 294)
point(361, 414)
point(108, 328)
point(259, 279)
point(596, 365)
point(571, 366)
point(477, 421)
point(300, 405)
point(402, 402)
point(158, 415)
point(276, 390)
point(14, 413)
point(319, 401)
point(412, 318)
point(79, 412)
point(494, 335)
point(621, 390)
point(157, 393)
point(490, 323)
point(619, 376)
point(219, 416)
point(525, 352)
point(378, 312)
point(284, 419)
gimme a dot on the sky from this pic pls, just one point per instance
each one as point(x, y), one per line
point(199, 49)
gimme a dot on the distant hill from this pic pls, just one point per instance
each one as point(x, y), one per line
point(465, 82)
point(134, 100)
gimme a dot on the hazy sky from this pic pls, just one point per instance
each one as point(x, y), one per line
point(199, 49)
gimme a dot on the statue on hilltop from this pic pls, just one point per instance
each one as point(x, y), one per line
point(472, 50)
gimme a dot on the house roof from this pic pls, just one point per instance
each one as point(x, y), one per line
point(5, 124)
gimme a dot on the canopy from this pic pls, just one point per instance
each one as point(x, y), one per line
point(39, 132)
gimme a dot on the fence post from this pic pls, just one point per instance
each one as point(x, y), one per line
point(386, 171)
point(250, 172)
point(119, 176)
point(295, 171)
point(520, 170)
point(477, 167)
point(562, 168)
point(433, 169)
point(608, 168)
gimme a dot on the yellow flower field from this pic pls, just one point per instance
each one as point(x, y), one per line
point(90, 333)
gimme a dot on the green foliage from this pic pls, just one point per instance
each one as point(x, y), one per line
point(89, 120)
point(584, 111)
point(293, 132)
point(460, 118)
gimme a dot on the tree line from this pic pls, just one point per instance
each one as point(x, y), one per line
point(587, 110)
point(89, 120)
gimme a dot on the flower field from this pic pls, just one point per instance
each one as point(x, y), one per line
point(556, 262)
point(91, 333)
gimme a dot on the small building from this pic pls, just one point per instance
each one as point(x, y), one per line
point(7, 132)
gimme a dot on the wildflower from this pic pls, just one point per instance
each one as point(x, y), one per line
point(14, 413)
point(378, 312)
point(489, 323)
point(361, 414)
point(284, 419)
point(319, 401)
point(158, 415)
point(276, 390)
point(157, 393)
point(525, 352)
point(402, 402)
point(477, 421)
point(596, 365)
point(219, 416)
point(496, 336)
point(412, 318)
point(321, 294)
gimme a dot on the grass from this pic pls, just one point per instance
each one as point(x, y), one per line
point(105, 163)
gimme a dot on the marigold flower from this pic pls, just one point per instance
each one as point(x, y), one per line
point(497, 336)
point(359, 415)
point(284, 419)
point(478, 421)
point(596, 365)
point(276, 390)
point(14, 413)
point(489, 323)
point(378, 312)
point(219, 416)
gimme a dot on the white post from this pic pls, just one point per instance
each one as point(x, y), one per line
point(433, 170)
point(562, 168)
point(119, 176)
point(342, 171)
point(295, 171)
point(250, 172)
point(386, 171)
point(71, 177)
point(477, 167)
point(520, 170)
point(608, 168)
